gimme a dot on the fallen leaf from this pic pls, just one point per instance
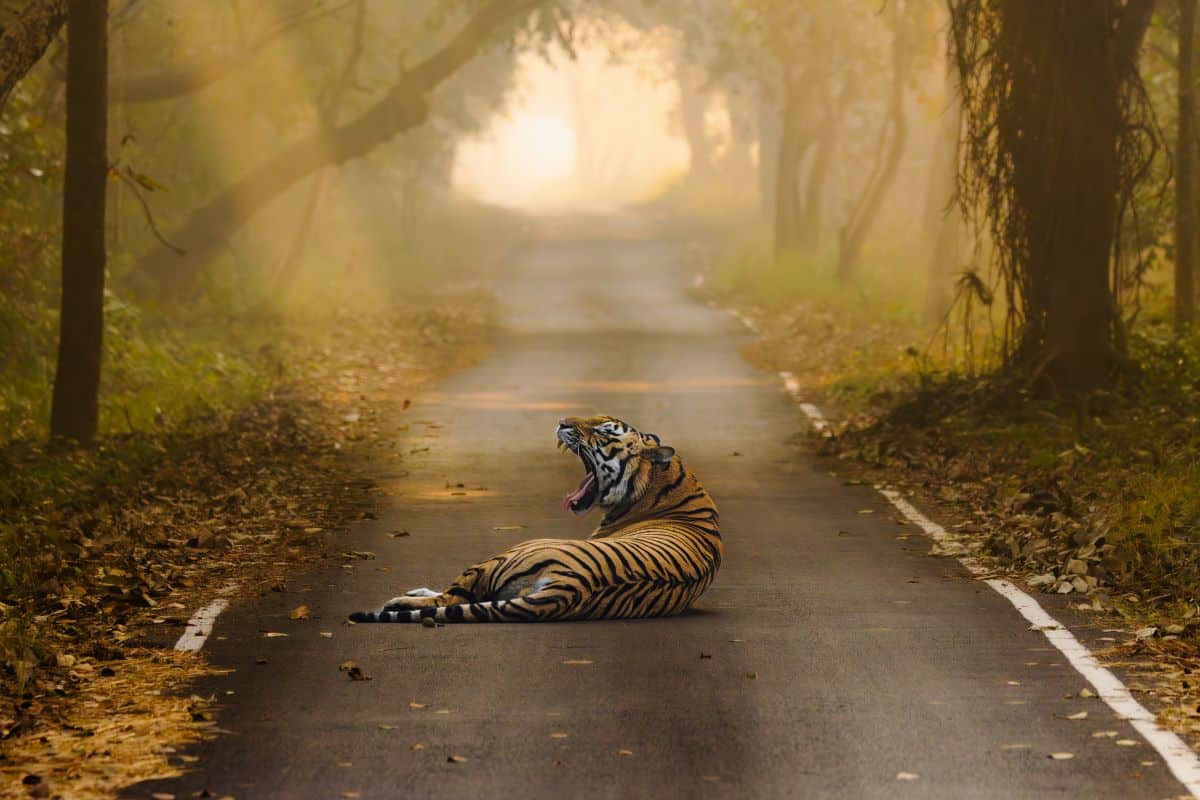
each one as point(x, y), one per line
point(907, 776)
point(752, 675)
point(559, 735)
point(326, 634)
point(418, 746)
point(162, 796)
point(1126, 742)
point(347, 665)
point(273, 635)
point(416, 705)
point(260, 660)
point(356, 674)
point(299, 612)
point(507, 527)
point(624, 752)
point(350, 794)
point(383, 726)
point(1014, 746)
point(1086, 692)
point(1104, 734)
point(710, 778)
point(456, 759)
point(345, 763)
point(575, 662)
point(1062, 756)
point(1077, 715)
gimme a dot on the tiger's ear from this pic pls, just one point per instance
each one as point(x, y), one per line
point(659, 455)
point(651, 440)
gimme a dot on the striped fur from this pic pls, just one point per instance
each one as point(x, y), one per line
point(655, 551)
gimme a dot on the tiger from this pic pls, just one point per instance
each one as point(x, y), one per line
point(653, 553)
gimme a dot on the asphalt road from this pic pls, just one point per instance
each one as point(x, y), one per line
point(828, 658)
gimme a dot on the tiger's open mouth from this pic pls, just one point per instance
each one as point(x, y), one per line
point(580, 500)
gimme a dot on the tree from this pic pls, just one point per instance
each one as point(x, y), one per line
point(75, 404)
point(1053, 148)
point(892, 138)
point(203, 234)
point(23, 41)
point(943, 217)
point(1185, 172)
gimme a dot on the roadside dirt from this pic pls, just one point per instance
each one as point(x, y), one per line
point(247, 499)
point(1033, 502)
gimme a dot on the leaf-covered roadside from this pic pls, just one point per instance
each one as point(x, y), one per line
point(105, 553)
point(1102, 506)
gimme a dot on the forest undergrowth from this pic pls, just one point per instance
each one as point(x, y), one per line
point(1101, 504)
point(106, 551)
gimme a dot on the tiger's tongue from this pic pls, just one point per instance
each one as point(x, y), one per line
point(578, 494)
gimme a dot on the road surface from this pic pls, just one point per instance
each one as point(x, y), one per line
point(830, 658)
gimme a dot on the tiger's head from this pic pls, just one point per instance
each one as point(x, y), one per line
point(617, 461)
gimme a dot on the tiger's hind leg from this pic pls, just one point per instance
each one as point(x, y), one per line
point(399, 601)
point(545, 605)
point(465, 589)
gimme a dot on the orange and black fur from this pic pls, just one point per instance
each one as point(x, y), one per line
point(655, 551)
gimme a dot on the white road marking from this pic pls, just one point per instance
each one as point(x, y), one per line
point(201, 624)
point(815, 417)
point(1179, 757)
point(742, 318)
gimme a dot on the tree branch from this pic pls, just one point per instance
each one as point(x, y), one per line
point(149, 86)
point(404, 106)
point(24, 41)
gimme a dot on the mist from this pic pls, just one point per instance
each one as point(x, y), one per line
point(827, 373)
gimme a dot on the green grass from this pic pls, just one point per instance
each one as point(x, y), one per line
point(887, 289)
point(155, 369)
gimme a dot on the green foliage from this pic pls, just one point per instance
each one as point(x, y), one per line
point(891, 288)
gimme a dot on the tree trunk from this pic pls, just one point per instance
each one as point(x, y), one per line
point(769, 132)
point(854, 235)
point(205, 231)
point(787, 171)
point(1063, 133)
point(944, 223)
point(25, 39)
point(75, 405)
point(812, 215)
point(692, 108)
point(1185, 178)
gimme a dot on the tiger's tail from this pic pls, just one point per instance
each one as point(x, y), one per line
point(538, 607)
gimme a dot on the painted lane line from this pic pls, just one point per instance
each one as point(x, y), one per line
point(815, 417)
point(742, 318)
point(1178, 756)
point(201, 624)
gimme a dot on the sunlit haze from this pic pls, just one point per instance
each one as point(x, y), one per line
point(590, 133)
